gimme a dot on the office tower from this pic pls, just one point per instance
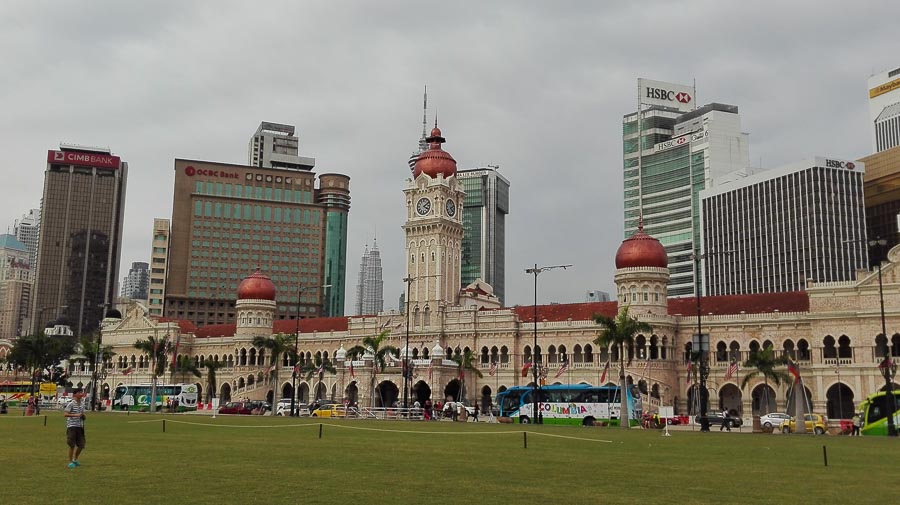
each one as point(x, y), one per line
point(882, 189)
point(228, 220)
point(27, 231)
point(136, 283)
point(370, 286)
point(15, 287)
point(596, 296)
point(884, 109)
point(775, 230)
point(81, 236)
point(275, 146)
point(159, 263)
point(485, 207)
point(683, 150)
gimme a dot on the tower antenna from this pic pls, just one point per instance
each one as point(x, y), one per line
point(424, 111)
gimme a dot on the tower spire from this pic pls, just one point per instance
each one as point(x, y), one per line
point(424, 111)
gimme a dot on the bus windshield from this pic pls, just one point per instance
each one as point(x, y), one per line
point(875, 412)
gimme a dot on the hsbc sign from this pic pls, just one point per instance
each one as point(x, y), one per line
point(849, 165)
point(666, 94)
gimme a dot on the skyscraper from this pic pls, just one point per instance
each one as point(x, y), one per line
point(370, 286)
point(159, 264)
point(275, 146)
point(15, 287)
point(230, 219)
point(776, 230)
point(485, 207)
point(27, 231)
point(882, 189)
point(136, 283)
point(81, 236)
point(683, 151)
point(884, 109)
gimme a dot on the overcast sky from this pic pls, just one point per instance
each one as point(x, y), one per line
point(538, 88)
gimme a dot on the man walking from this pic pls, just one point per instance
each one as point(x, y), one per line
point(74, 414)
point(856, 423)
point(726, 421)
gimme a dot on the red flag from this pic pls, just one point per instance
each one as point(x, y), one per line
point(562, 368)
point(127, 371)
point(885, 363)
point(605, 371)
point(297, 368)
point(493, 368)
point(689, 372)
point(525, 369)
point(430, 370)
point(792, 368)
point(732, 369)
point(352, 372)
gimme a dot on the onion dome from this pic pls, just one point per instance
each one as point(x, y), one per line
point(256, 287)
point(435, 160)
point(341, 353)
point(404, 353)
point(113, 314)
point(641, 250)
point(437, 352)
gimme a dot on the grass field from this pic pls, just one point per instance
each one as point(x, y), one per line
point(199, 460)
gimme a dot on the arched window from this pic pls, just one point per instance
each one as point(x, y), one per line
point(721, 352)
point(504, 354)
point(829, 351)
point(640, 342)
point(803, 353)
point(526, 354)
point(734, 353)
point(654, 347)
point(551, 354)
point(844, 349)
point(562, 354)
point(576, 354)
point(251, 358)
point(588, 353)
point(485, 357)
point(788, 349)
point(427, 316)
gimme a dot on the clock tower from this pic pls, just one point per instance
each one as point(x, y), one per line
point(434, 231)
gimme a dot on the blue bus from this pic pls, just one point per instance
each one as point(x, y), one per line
point(582, 404)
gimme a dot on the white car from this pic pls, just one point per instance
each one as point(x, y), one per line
point(774, 420)
point(284, 408)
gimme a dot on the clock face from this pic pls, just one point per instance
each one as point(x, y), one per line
point(451, 208)
point(423, 206)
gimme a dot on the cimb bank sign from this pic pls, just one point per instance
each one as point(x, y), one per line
point(666, 94)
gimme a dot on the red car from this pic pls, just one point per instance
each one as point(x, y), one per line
point(244, 408)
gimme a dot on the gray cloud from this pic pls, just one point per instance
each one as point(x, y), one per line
point(538, 88)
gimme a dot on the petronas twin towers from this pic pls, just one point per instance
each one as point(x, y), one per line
point(370, 286)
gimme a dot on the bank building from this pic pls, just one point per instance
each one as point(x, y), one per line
point(832, 330)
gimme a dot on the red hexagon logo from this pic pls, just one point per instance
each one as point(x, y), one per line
point(683, 97)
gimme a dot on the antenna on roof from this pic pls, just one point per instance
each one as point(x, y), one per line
point(424, 111)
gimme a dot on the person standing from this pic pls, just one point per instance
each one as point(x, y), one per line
point(856, 422)
point(726, 421)
point(475, 414)
point(74, 414)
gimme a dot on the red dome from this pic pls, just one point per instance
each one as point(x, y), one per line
point(256, 287)
point(435, 160)
point(641, 250)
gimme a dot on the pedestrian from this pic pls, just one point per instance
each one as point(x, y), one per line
point(74, 414)
point(475, 414)
point(3, 407)
point(726, 422)
point(37, 405)
point(856, 422)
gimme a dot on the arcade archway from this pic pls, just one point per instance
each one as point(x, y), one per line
point(421, 392)
point(763, 400)
point(386, 394)
point(452, 391)
point(839, 402)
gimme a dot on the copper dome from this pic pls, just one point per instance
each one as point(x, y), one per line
point(435, 160)
point(641, 250)
point(256, 287)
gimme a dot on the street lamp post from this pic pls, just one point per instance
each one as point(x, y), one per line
point(888, 367)
point(537, 418)
point(701, 343)
point(407, 375)
point(300, 291)
point(98, 357)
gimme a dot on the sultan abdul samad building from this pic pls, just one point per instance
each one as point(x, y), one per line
point(832, 330)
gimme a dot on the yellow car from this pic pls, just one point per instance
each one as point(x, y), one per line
point(815, 423)
point(330, 411)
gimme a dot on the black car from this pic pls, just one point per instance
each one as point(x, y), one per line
point(716, 419)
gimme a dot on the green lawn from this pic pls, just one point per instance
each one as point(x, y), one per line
point(199, 460)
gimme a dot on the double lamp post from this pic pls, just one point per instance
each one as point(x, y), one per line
point(296, 345)
point(535, 357)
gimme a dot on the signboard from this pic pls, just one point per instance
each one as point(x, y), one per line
point(680, 141)
point(677, 96)
point(86, 159)
point(191, 171)
point(884, 88)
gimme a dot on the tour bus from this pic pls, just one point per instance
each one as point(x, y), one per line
point(874, 410)
point(17, 392)
point(570, 404)
point(182, 397)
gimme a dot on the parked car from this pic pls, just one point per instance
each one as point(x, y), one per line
point(284, 408)
point(245, 407)
point(774, 420)
point(716, 419)
point(330, 410)
point(815, 423)
point(450, 406)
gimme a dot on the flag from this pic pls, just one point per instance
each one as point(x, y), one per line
point(320, 370)
point(493, 370)
point(562, 368)
point(525, 369)
point(732, 369)
point(544, 371)
point(430, 370)
point(689, 371)
point(792, 368)
point(352, 372)
point(270, 369)
point(885, 363)
point(297, 369)
point(127, 371)
point(605, 371)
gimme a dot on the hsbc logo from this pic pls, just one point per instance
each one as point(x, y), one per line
point(849, 165)
point(669, 95)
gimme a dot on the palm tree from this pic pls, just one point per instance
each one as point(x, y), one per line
point(38, 352)
point(763, 362)
point(211, 366)
point(156, 348)
point(466, 362)
point(95, 352)
point(620, 333)
point(373, 345)
point(184, 365)
point(319, 367)
point(277, 345)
